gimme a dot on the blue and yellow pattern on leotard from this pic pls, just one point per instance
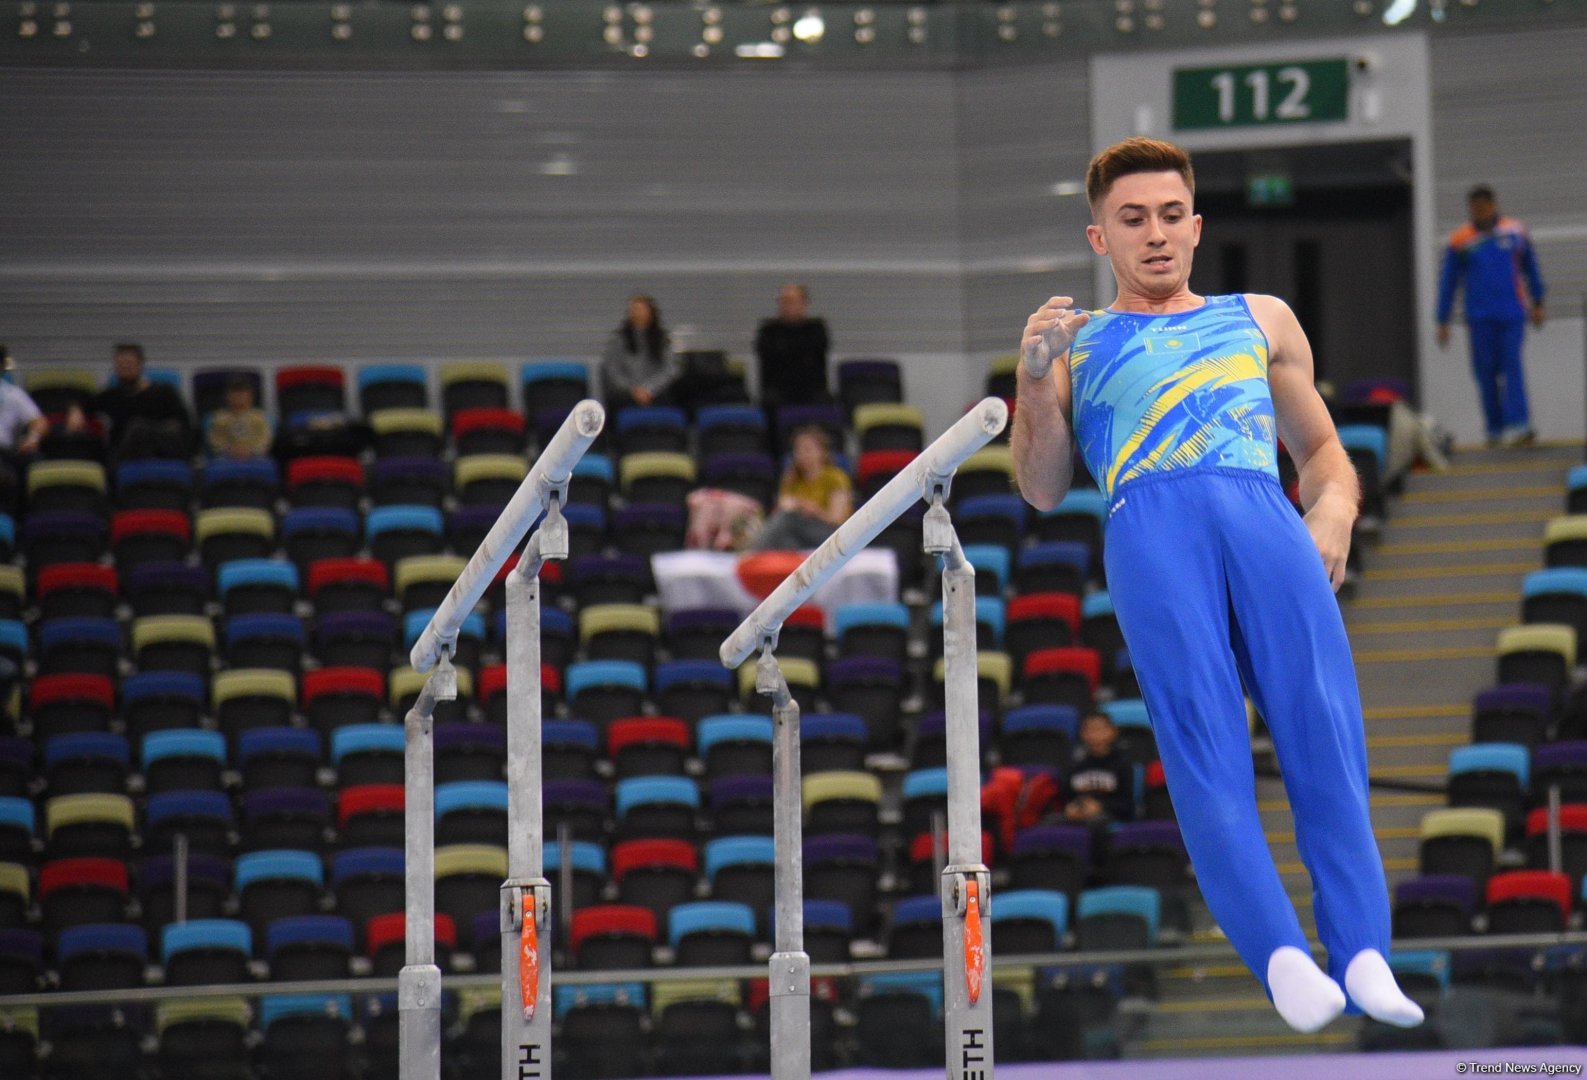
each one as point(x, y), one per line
point(1154, 393)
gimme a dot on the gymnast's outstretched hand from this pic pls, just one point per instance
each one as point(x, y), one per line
point(1049, 333)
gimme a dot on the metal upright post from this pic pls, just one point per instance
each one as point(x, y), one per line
point(526, 894)
point(419, 982)
point(966, 881)
point(789, 968)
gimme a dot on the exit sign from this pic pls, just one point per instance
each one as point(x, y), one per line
point(1302, 92)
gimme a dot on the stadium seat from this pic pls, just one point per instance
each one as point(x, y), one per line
point(609, 579)
point(648, 746)
point(553, 384)
point(1528, 902)
point(655, 873)
point(889, 426)
point(656, 477)
point(1435, 905)
point(313, 533)
point(367, 754)
point(183, 760)
point(646, 529)
point(62, 537)
point(474, 385)
point(406, 433)
point(568, 749)
point(470, 643)
point(1556, 595)
point(1062, 676)
point(988, 471)
point(96, 825)
point(471, 812)
point(69, 486)
point(325, 482)
point(160, 700)
point(203, 1036)
point(18, 828)
point(992, 566)
point(872, 689)
point(245, 698)
point(274, 641)
point(285, 818)
point(873, 629)
point(593, 480)
point(898, 1020)
point(205, 951)
point(1117, 917)
point(741, 805)
point(916, 929)
point(994, 679)
point(21, 965)
point(1052, 857)
point(741, 869)
point(310, 388)
point(304, 947)
point(1043, 735)
point(841, 802)
point(86, 761)
point(867, 382)
point(734, 745)
point(258, 587)
point(229, 533)
point(1565, 541)
point(1573, 840)
point(1562, 765)
point(385, 940)
point(657, 806)
point(167, 588)
point(601, 691)
point(697, 633)
point(1079, 518)
point(1492, 775)
point(731, 429)
point(413, 481)
point(1053, 566)
point(485, 479)
point(1039, 621)
point(587, 863)
point(876, 468)
point(154, 485)
point(370, 815)
point(392, 386)
point(613, 937)
point(1517, 713)
point(140, 537)
point(278, 757)
point(102, 957)
point(355, 639)
point(305, 1036)
point(997, 520)
point(74, 646)
point(1462, 841)
point(580, 804)
point(652, 429)
point(493, 691)
point(468, 880)
point(63, 591)
point(711, 933)
point(17, 768)
point(240, 482)
point(469, 752)
point(620, 632)
point(1542, 653)
point(274, 884)
point(81, 891)
point(1030, 921)
point(206, 818)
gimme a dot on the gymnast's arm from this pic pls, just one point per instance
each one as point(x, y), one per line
point(1042, 443)
point(1330, 492)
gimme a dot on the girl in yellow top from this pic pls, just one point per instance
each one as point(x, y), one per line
point(814, 499)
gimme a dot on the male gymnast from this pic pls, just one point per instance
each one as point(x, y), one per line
point(1175, 401)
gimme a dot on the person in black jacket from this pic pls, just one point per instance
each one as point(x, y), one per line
point(792, 350)
point(1101, 779)
point(147, 419)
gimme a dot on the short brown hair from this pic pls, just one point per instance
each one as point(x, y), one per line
point(1135, 155)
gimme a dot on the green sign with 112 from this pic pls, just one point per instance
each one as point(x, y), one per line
point(1298, 92)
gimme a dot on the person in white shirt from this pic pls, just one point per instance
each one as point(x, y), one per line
point(22, 425)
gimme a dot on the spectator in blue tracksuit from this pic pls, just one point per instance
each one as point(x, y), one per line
point(1493, 255)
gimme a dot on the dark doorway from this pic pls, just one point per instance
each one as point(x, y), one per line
point(1328, 229)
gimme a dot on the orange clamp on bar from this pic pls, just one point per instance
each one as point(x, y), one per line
point(974, 947)
point(529, 957)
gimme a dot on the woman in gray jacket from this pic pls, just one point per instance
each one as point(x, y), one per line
point(638, 365)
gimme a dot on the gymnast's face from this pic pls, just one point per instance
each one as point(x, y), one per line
point(1147, 228)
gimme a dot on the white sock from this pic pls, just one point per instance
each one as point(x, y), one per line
point(1370, 982)
point(1303, 993)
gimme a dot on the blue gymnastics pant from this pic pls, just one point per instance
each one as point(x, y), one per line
point(1215, 580)
point(1496, 364)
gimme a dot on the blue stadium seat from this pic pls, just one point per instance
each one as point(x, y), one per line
point(1118, 917)
point(257, 586)
point(86, 761)
point(1030, 921)
point(831, 742)
point(991, 615)
point(154, 485)
point(392, 386)
point(657, 806)
point(711, 933)
point(204, 951)
point(733, 744)
point(992, 566)
point(367, 753)
point(917, 928)
point(301, 947)
point(279, 757)
point(206, 818)
point(1053, 566)
point(101, 956)
point(471, 812)
point(693, 689)
point(155, 700)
